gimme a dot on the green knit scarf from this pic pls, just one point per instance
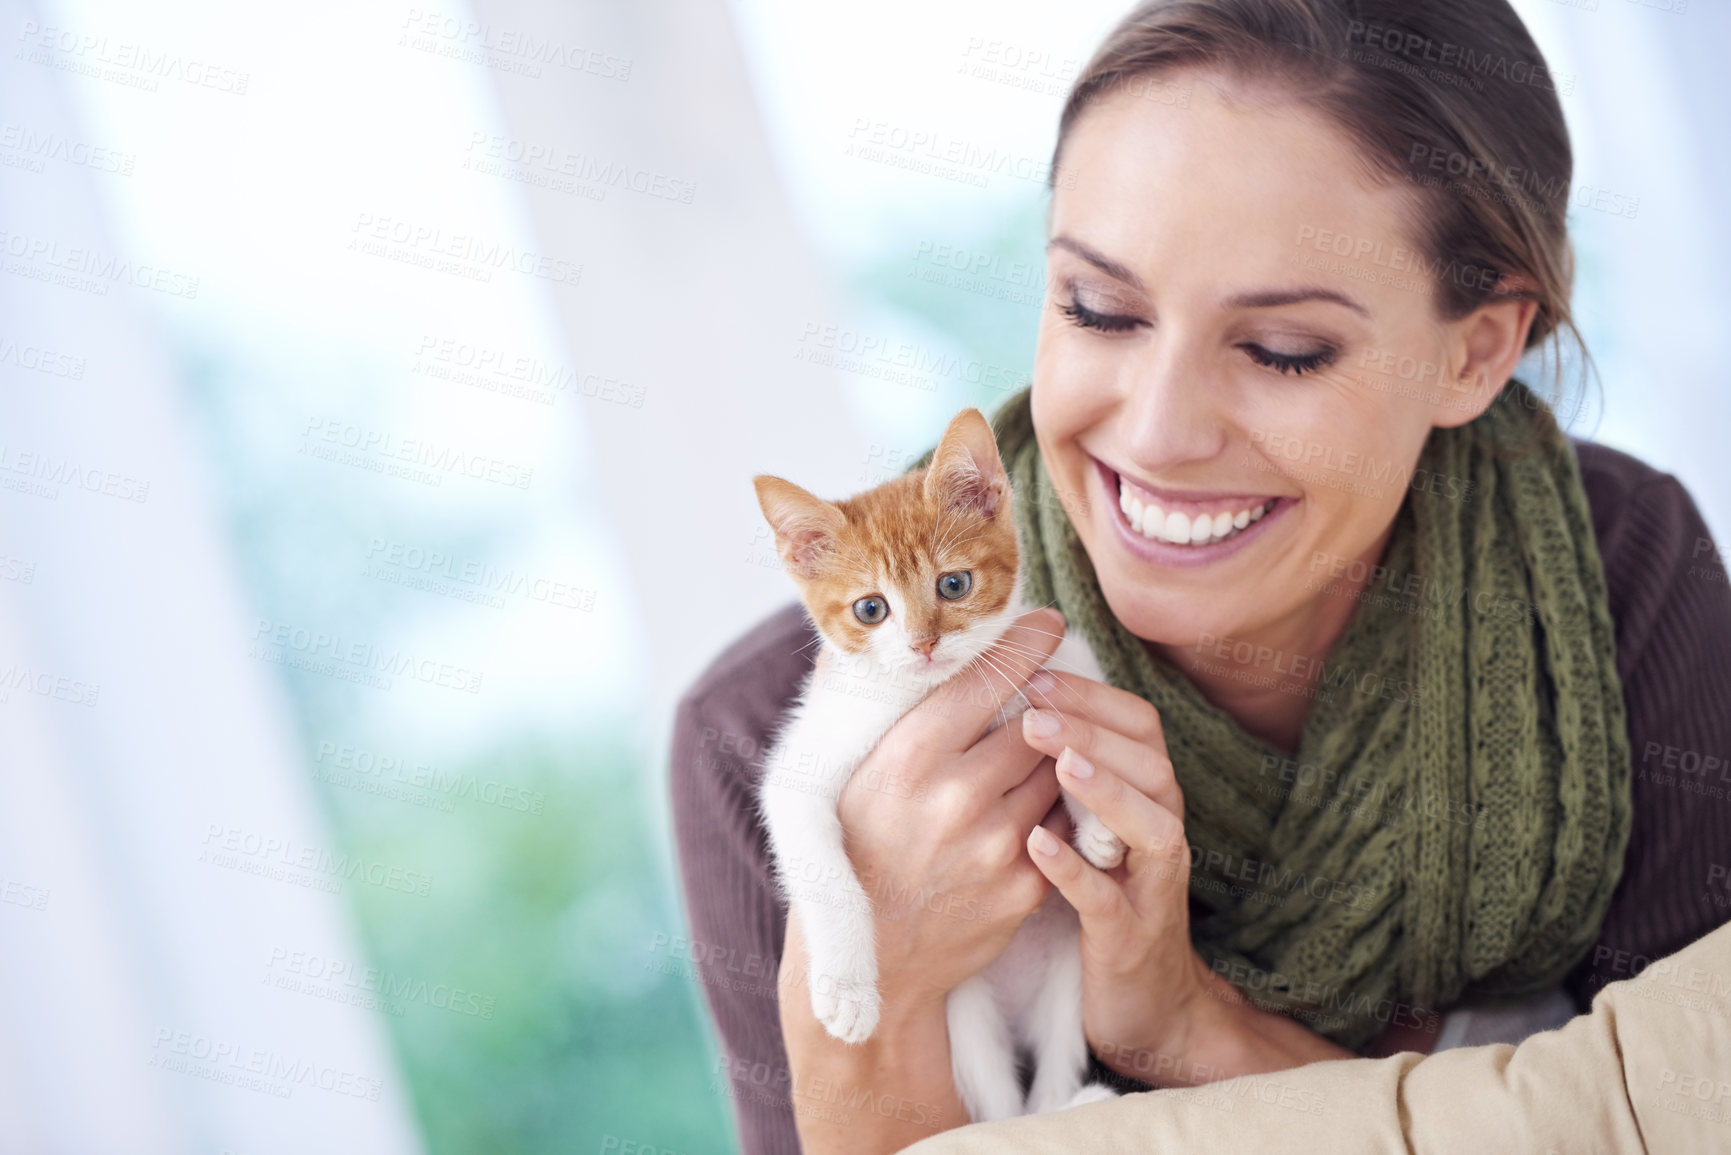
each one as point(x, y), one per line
point(1454, 820)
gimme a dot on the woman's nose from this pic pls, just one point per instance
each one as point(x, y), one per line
point(1171, 415)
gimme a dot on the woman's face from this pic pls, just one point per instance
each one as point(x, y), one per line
point(1235, 327)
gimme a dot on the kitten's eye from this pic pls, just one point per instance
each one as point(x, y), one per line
point(871, 610)
point(955, 585)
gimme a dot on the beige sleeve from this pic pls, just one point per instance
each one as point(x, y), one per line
point(1648, 1069)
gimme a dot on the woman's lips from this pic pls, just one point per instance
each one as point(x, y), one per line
point(1159, 526)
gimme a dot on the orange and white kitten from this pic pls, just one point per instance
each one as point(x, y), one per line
point(909, 584)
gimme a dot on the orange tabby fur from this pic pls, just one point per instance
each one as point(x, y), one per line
point(954, 514)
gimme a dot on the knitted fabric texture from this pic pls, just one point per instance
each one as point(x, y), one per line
point(1454, 820)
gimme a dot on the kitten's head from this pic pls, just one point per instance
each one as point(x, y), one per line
point(916, 574)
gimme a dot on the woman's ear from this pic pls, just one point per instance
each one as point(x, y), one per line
point(1488, 343)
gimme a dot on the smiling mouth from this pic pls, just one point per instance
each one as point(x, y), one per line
point(1188, 523)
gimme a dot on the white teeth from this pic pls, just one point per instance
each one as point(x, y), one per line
point(1177, 528)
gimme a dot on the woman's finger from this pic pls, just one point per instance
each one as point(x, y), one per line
point(1111, 707)
point(1098, 899)
point(993, 766)
point(1034, 796)
point(1144, 766)
point(1159, 860)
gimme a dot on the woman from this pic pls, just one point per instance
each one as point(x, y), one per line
point(1406, 684)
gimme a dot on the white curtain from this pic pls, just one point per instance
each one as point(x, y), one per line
point(136, 734)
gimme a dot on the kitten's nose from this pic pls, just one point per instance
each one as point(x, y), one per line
point(924, 647)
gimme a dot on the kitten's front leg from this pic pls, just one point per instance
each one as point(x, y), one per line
point(818, 879)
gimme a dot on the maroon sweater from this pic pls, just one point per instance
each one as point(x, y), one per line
point(1672, 608)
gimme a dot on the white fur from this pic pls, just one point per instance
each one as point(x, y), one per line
point(1031, 995)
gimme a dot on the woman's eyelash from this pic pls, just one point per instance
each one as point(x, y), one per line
point(1106, 322)
point(1294, 363)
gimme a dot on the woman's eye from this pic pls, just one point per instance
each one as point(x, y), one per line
point(1294, 363)
point(1106, 322)
point(871, 610)
point(955, 585)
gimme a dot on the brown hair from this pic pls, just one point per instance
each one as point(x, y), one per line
point(1450, 96)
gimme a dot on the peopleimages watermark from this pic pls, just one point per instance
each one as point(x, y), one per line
point(37, 473)
point(304, 864)
point(41, 359)
point(521, 376)
point(515, 50)
point(1410, 592)
point(1324, 1004)
point(22, 146)
point(497, 155)
point(344, 764)
point(123, 62)
point(468, 579)
point(323, 652)
point(1454, 63)
point(419, 459)
point(981, 273)
point(19, 677)
point(373, 988)
point(1397, 258)
point(1308, 670)
point(1322, 788)
point(23, 894)
point(85, 268)
point(1164, 1070)
point(254, 1068)
point(929, 152)
point(1270, 884)
point(1353, 464)
point(459, 254)
point(815, 1096)
point(897, 362)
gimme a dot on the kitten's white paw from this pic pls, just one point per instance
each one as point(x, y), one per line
point(1099, 846)
point(1092, 1093)
point(847, 1008)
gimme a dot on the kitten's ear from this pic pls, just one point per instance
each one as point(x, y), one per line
point(805, 526)
point(966, 472)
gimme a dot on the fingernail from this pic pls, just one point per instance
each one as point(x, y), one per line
point(1042, 841)
point(1042, 723)
point(1042, 682)
point(1076, 766)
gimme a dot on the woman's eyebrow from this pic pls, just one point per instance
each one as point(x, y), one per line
point(1262, 299)
point(1100, 261)
point(1269, 298)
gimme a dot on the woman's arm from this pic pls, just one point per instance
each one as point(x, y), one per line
point(880, 1095)
point(736, 921)
point(1649, 1070)
point(1667, 584)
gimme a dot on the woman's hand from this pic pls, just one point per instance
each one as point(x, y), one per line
point(935, 822)
point(1151, 1008)
point(936, 819)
